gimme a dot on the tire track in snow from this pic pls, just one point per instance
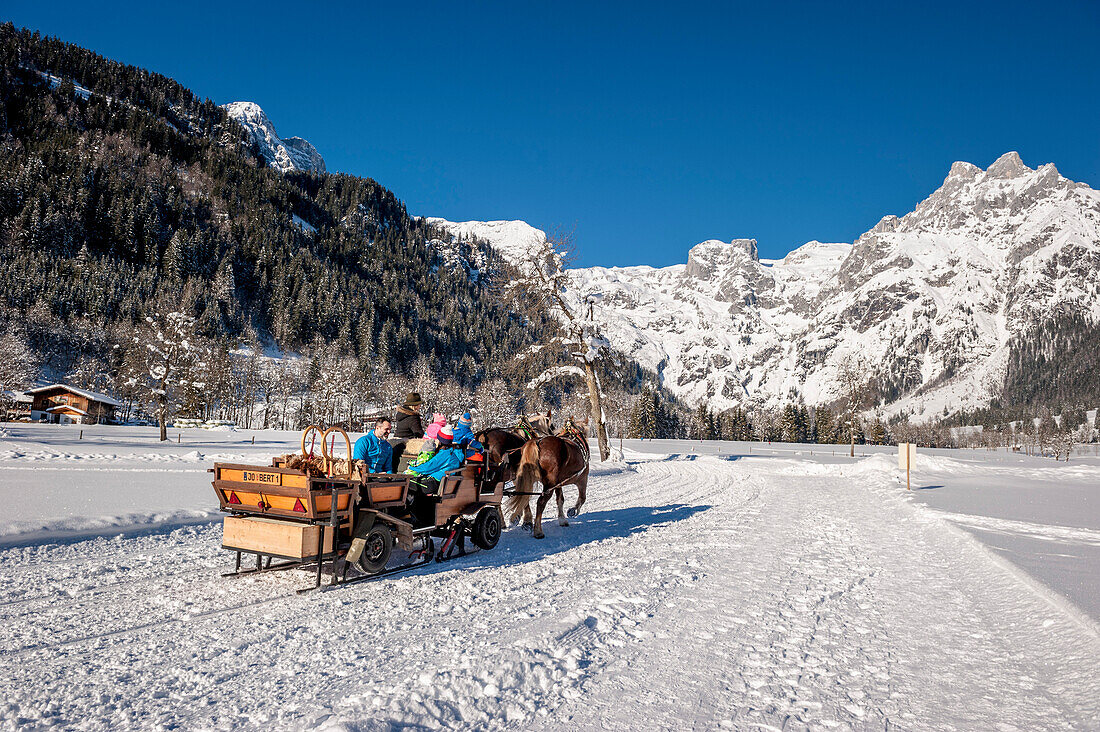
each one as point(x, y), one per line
point(540, 670)
point(833, 622)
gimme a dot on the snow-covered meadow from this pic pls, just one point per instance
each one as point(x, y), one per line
point(706, 585)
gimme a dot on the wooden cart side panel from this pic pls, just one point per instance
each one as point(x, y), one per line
point(267, 490)
point(456, 502)
point(261, 475)
point(322, 501)
point(386, 494)
point(271, 536)
point(277, 502)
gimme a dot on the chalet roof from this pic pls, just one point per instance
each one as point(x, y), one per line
point(19, 397)
point(94, 396)
point(67, 408)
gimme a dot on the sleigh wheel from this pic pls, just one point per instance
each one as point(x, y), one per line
point(486, 530)
point(379, 544)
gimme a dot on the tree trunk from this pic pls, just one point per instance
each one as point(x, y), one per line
point(162, 417)
point(595, 401)
point(852, 434)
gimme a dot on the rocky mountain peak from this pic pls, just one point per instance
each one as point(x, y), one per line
point(292, 153)
point(1008, 165)
point(886, 224)
point(707, 258)
point(963, 170)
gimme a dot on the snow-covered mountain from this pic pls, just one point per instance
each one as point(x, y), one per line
point(510, 239)
point(931, 302)
point(291, 153)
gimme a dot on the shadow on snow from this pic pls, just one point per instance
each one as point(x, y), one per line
point(518, 546)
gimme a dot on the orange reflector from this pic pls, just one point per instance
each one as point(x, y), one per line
point(233, 498)
point(298, 506)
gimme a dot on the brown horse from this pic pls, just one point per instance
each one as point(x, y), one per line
point(503, 445)
point(555, 461)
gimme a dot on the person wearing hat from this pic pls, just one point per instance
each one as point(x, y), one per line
point(464, 433)
point(427, 451)
point(428, 475)
point(407, 426)
point(438, 420)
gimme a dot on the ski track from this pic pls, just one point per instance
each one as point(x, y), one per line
point(693, 592)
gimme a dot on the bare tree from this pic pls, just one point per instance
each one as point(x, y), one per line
point(540, 290)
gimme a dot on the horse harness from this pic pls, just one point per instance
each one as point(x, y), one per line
point(521, 429)
point(573, 435)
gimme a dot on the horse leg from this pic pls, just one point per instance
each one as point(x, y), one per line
point(528, 522)
point(561, 507)
point(543, 498)
point(582, 487)
point(517, 511)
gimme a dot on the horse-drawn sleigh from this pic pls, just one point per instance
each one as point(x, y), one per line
point(305, 510)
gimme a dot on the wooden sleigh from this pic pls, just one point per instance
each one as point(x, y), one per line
point(306, 515)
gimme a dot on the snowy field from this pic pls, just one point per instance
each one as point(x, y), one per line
point(705, 586)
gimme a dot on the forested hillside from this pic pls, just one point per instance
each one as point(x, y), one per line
point(125, 197)
point(121, 191)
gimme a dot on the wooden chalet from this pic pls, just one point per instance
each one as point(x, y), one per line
point(64, 404)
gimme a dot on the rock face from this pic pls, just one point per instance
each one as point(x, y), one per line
point(292, 153)
point(931, 301)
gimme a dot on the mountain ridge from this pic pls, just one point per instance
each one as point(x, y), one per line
point(934, 302)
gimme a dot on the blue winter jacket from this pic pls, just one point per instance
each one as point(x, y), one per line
point(375, 452)
point(446, 459)
point(465, 436)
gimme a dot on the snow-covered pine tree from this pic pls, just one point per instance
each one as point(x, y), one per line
point(793, 424)
point(17, 366)
point(170, 357)
point(852, 385)
point(878, 434)
point(644, 418)
point(496, 404)
point(821, 429)
point(702, 424)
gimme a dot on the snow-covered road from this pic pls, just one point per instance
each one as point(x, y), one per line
point(694, 592)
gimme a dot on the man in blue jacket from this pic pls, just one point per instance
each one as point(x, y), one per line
point(373, 449)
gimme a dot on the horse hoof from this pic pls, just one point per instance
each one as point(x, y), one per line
point(572, 513)
point(563, 522)
point(540, 535)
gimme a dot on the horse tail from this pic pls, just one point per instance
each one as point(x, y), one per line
point(527, 474)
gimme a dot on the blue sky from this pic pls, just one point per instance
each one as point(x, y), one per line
point(640, 128)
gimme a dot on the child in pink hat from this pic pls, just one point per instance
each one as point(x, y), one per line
point(438, 420)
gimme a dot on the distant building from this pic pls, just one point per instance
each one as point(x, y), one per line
point(17, 404)
point(63, 404)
